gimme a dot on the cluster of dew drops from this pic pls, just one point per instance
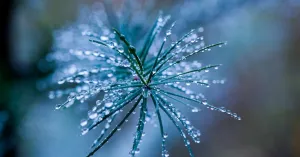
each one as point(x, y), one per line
point(100, 72)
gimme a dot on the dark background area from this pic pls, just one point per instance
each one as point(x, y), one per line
point(7, 76)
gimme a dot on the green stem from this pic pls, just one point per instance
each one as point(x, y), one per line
point(130, 48)
point(155, 63)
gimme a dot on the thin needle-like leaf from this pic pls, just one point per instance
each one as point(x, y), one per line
point(120, 104)
point(115, 129)
point(185, 57)
point(140, 128)
point(188, 72)
point(163, 135)
point(186, 142)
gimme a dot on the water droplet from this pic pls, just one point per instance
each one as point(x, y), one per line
point(165, 135)
point(160, 19)
point(222, 109)
point(120, 49)
point(146, 93)
point(107, 112)
point(108, 105)
point(58, 106)
point(104, 38)
point(168, 32)
point(62, 81)
point(51, 95)
point(197, 140)
point(201, 29)
point(195, 110)
point(87, 53)
point(110, 75)
point(98, 102)
point(83, 73)
point(137, 151)
point(83, 122)
point(93, 115)
point(112, 44)
point(84, 131)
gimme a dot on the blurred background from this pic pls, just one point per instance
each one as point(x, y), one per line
point(261, 68)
